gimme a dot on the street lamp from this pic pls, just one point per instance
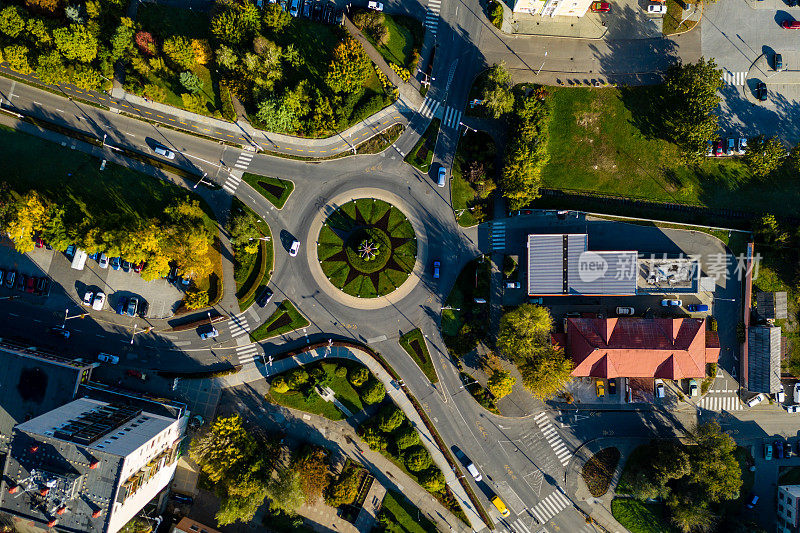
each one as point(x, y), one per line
point(540, 68)
point(201, 180)
point(67, 317)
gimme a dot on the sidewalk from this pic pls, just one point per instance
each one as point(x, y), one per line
point(258, 372)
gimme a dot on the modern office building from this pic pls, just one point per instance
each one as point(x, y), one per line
point(788, 508)
point(91, 465)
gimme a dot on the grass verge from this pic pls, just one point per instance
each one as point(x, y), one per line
point(473, 178)
point(381, 141)
point(403, 41)
point(401, 516)
point(422, 154)
point(414, 344)
point(286, 318)
point(639, 517)
point(673, 18)
point(277, 191)
point(252, 272)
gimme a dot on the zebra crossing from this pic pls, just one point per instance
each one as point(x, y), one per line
point(432, 15)
point(497, 237)
point(734, 78)
point(553, 438)
point(238, 325)
point(244, 160)
point(232, 183)
point(550, 506)
point(518, 526)
point(428, 107)
point(247, 353)
point(452, 117)
point(720, 403)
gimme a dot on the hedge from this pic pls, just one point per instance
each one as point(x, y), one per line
point(262, 269)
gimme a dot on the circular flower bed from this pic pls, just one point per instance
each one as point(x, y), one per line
point(367, 248)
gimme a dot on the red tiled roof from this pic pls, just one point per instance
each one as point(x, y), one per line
point(641, 347)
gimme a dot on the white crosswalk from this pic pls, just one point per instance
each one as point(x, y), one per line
point(432, 15)
point(550, 506)
point(232, 183)
point(497, 237)
point(428, 107)
point(553, 438)
point(720, 403)
point(734, 78)
point(238, 325)
point(247, 353)
point(518, 526)
point(244, 160)
point(452, 117)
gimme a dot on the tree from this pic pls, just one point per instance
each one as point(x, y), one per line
point(226, 57)
point(292, 55)
point(51, 68)
point(344, 490)
point(691, 515)
point(191, 82)
point(146, 43)
point(524, 330)
point(432, 480)
point(417, 459)
point(497, 96)
point(240, 508)
point(195, 103)
point(43, 6)
point(546, 373)
point(279, 385)
point(17, 57)
point(76, 43)
point(374, 438)
point(179, 50)
point(714, 465)
point(54, 230)
point(39, 32)
point(286, 491)
point(312, 465)
point(122, 39)
point(191, 251)
point(373, 23)
point(275, 116)
point(196, 299)
point(526, 153)
point(202, 51)
point(691, 97)
point(764, 155)
point(296, 378)
point(223, 448)
point(11, 21)
point(236, 23)
point(244, 232)
point(357, 376)
point(373, 392)
point(770, 233)
point(406, 437)
point(86, 77)
point(349, 68)
point(29, 217)
point(501, 382)
point(154, 92)
point(73, 13)
point(390, 418)
point(276, 18)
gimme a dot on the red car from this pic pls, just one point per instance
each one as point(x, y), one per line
point(39, 243)
point(30, 284)
point(791, 24)
point(138, 268)
point(718, 148)
point(601, 7)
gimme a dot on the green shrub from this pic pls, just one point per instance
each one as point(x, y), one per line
point(196, 299)
point(390, 418)
point(340, 372)
point(432, 480)
point(374, 438)
point(296, 378)
point(279, 385)
point(496, 13)
point(357, 376)
point(406, 437)
point(228, 112)
point(417, 459)
point(343, 490)
point(373, 392)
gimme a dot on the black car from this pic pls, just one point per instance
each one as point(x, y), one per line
point(264, 297)
point(22, 279)
point(612, 386)
point(787, 450)
point(778, 62)
point(307, 9)
point(143, 307)
point(182, 498)
point(338, 17)
point(328, 16)
point(761, 91)
point(9, 278)
point(60, 331)
point(43, 286)
point(317, 14)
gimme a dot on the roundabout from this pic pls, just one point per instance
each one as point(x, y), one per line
point(367, 248)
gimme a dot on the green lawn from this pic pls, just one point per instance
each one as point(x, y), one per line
point(673, 18)
point(640, 517)
point(314, 404)
point(252, 272)
point(277, 191)
point(608, 140)
point(276, 324)
point(414, 344)
point(472, 199)
point(422, 153)
point(635, 461)
point(402, 516)
point(404, 37)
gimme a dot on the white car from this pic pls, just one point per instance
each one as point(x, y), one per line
point(102, 261)
point(657, 9)
point(796, 393)
point(294, 248)
point(87, 298)
point(99, 301)
point(755, 400)
point(512, 285)
point(474, 471)
point(166, 152)
point(294, 9)
point(108, 358)
point(659, 388)
point(377, 6)
point(210, 334)
point(625, 311)
point(442, 177)
point(793, 409)
point(671, 303)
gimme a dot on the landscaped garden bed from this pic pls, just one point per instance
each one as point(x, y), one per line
point(277, 191)
point(414, 344)
point(252, 271)
point(421, 155)
point(473, 178)
point(367, 248)
point(599, 469)
point(464, 322)
point(285, 319)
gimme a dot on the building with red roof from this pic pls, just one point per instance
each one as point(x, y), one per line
point(667, 348)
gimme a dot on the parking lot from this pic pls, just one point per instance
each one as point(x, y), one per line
point(68, 286)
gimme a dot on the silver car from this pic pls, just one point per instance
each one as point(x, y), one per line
point(166, 152)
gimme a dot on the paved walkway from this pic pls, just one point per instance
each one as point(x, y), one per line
point(258, 372)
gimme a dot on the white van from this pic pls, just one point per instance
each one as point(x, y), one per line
point(79, 260)
point(474, 472)
point(796, 393)
point(755, 400)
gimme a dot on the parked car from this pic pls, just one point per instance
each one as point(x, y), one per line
point(114, 263)
point(442, 179)
point(209, 332)
point(338, 17)
point(317, 11)
point(752, 500)
point(143, 307)
point(777, 62)
point(102, 261)
point(164, 151)
point(600, 388)
point(136, 374)
point(601, 7)
point(472, 469)
point(294, 8)
point(657, 9)
point(30, 285)
point(60, 331)
point(22, 279)
point(437, 265)
point(138, 268)
point(791, 24)
point(709, 148)
point(132, 304)
point(671, 303)
point(660, 390)
point(264, 298)
point(787, 450)
point(780, 397)
point(697, 308)
point(70, 251)
point(513, 285)
point(761, 91)
point(793, 409)
point(778, 444)
point(39, 242)
point(622, 311)
point(796, 393)
point(717, 148)
point(294, 248)
point(126, 267)
point(307, 9)
point(99, 301)
point(108, 358)
point(692, 387)
point(767, 451)
point(755, 400)
point(731, 146)
point(377, 6)
point(122, 305)
point(500, 506)
point(88, 298)
point(43, 286)
point(612, 386)
point(182, 498)
point(741, 145)
point(10, 275)
point(535, 301)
